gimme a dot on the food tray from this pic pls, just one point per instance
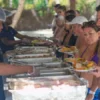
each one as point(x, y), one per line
point(53, 70)
point(32, 56)
point(31, 61)
point(46, 72)
point(33, 47)
point(48, 88)
point(20, 51)
point(46, 80)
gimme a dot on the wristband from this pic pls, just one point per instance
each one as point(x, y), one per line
point(31, 73)
point(91, 92)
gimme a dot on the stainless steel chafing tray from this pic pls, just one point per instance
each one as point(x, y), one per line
point(34, 60)
point(32, 56)
point(47, 79)
point(48, 88)
point(46, 72)
point(33, 47)
point(61, 69)
point(28, 50)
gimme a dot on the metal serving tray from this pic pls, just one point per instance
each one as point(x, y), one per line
point(32, 56)
point(46, 79)
point(48, 88)
point(33, 47)
point(34, 60)
point(46, 72)
point(21, 51)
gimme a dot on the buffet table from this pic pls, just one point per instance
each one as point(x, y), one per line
point(56, 80)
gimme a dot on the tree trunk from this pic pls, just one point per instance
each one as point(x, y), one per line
point(19, 12)
point(72, 4)
point(10, 3)
point(35, 15)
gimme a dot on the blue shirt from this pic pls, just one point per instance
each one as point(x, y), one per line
point(8, 33)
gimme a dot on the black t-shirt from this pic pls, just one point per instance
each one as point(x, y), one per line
point(72, 40)
point(9, 34)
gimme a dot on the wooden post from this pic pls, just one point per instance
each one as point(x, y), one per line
point(18, 14)
point(72, 4)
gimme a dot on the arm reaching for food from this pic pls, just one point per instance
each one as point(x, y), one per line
point(7, 69)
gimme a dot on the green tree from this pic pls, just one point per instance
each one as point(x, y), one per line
point(86, 8)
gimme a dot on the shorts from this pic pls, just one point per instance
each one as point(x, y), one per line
point(97, 94)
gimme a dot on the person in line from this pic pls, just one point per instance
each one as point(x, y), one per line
point(70, 12)
point(55, 16)
point(92, 53)
point(98, 12)
point(59, 31)
point(77, 31)
point(67, 38)
point(62, 11)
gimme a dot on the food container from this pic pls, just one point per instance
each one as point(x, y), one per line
point(32, 61)
point(46, 72)
point(33, 47)
point(28, 50)
point(48, 88)
point(54, 70)
point(32, 56)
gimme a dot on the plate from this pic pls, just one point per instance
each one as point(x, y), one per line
point(68, 50)
point(89, 70)
point(81, 65)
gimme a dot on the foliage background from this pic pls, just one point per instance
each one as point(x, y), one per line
point(41, 6)
point(44, 11)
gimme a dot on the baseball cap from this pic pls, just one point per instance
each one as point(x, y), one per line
point(2, 15)
point(78, 20)
point(9, 13)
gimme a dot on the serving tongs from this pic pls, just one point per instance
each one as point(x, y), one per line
point(75, 74)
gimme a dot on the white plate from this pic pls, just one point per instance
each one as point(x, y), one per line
point(90, 70)
point(66, 51)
